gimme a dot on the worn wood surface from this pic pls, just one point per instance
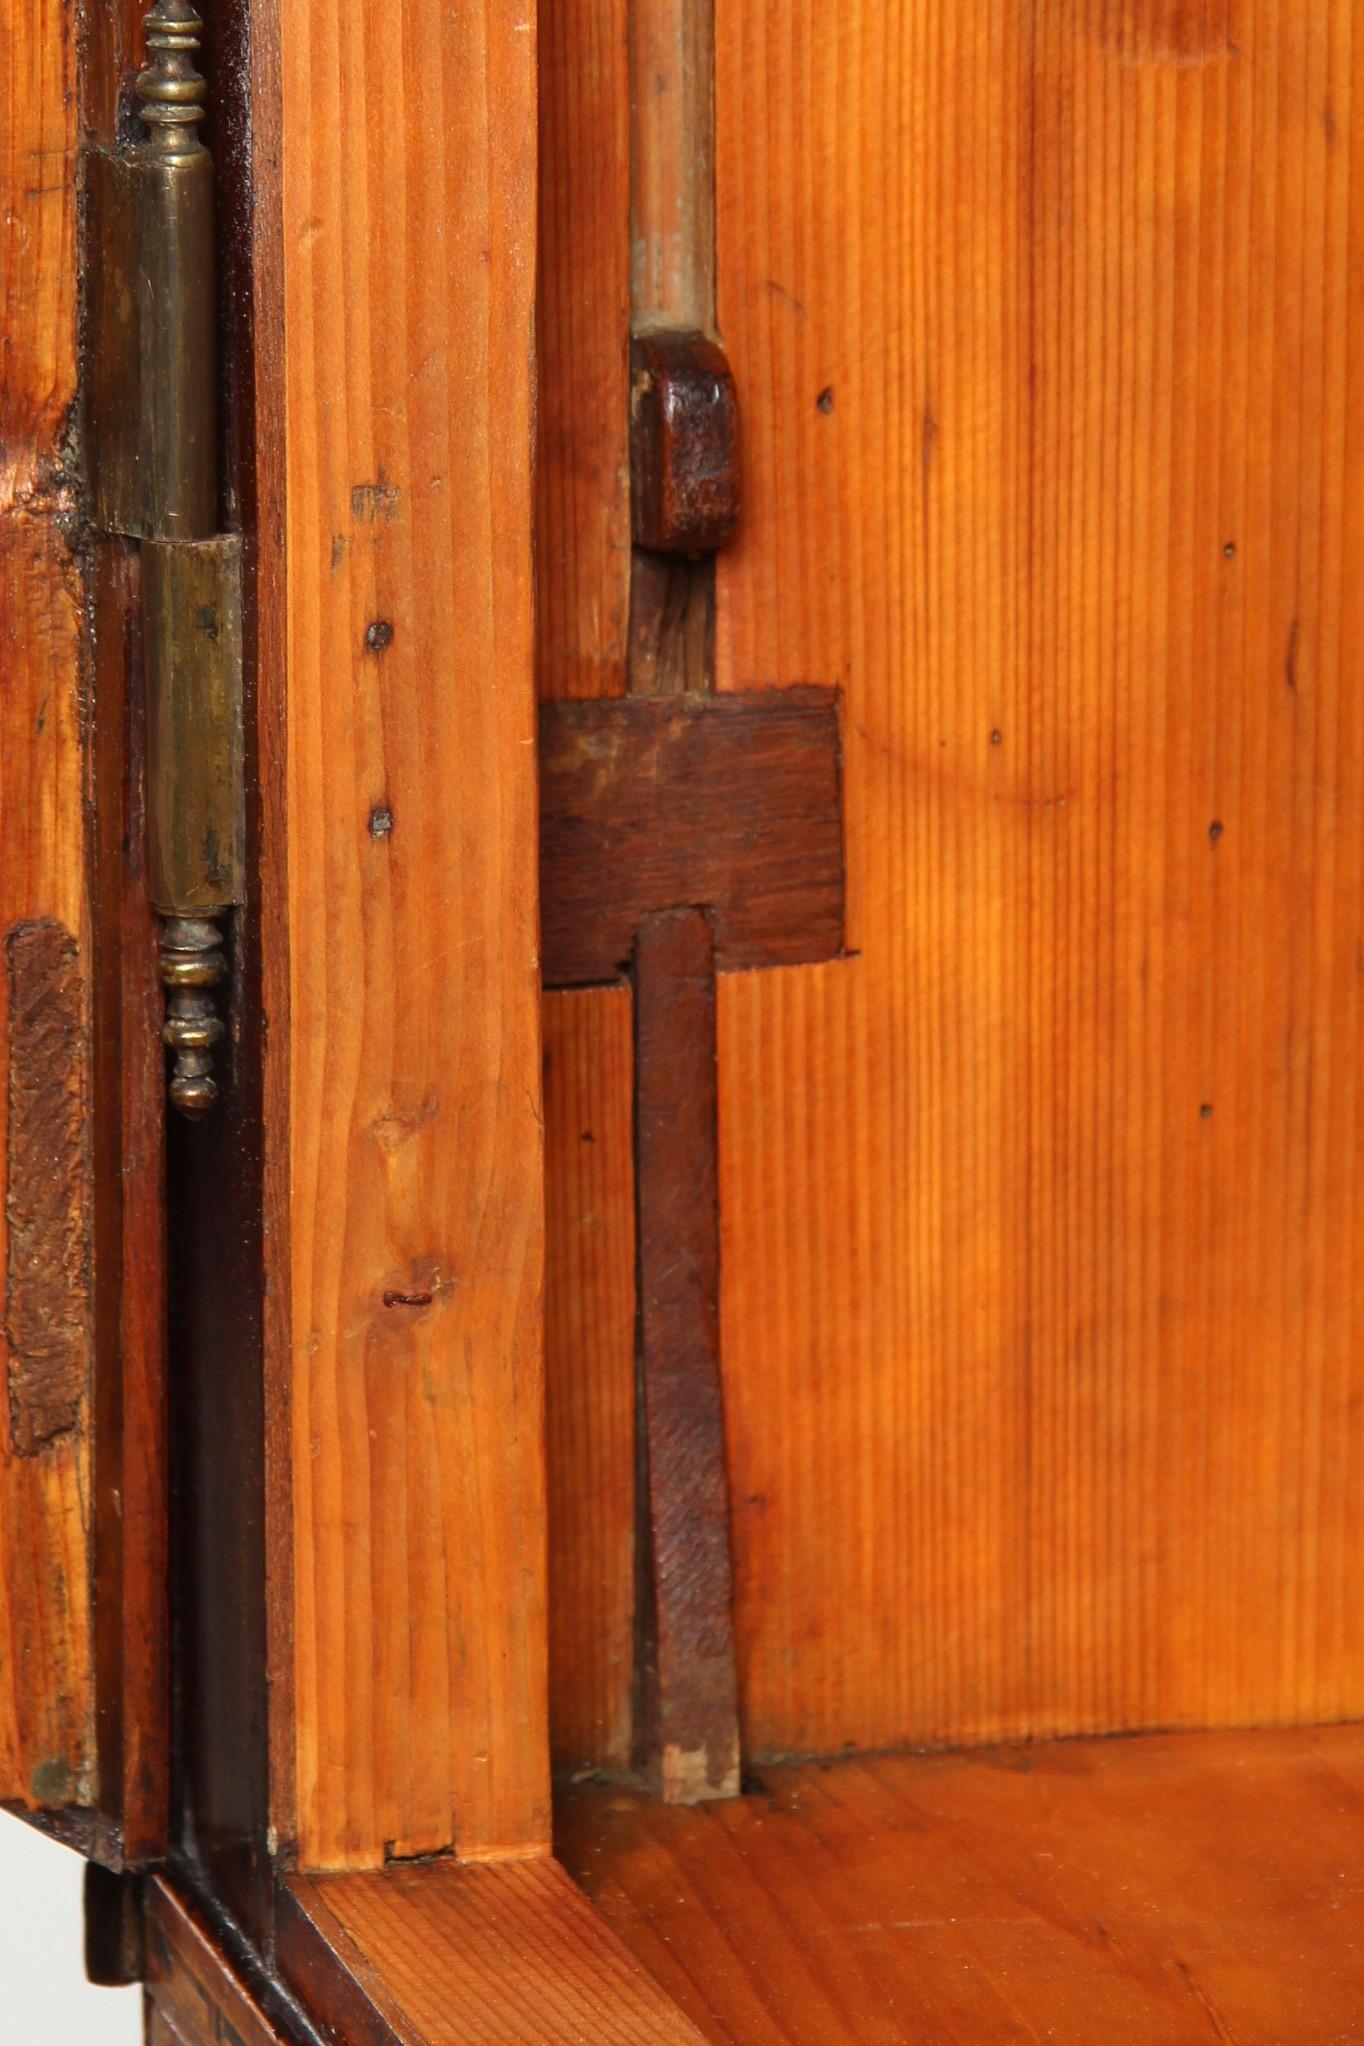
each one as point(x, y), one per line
point(193, 1991)
point(449, 1956)
point(672, 163)
point(687, 800)
point(582, 505)
point(687, 1733)
point(47, 1754)
point(405, 1213)
point(1042, 1218)
point(1152, 1891)
point(590, 1369)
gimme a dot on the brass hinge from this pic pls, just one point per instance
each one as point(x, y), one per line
point(152, 424)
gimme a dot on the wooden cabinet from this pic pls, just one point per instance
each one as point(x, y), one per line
point(745, 1421)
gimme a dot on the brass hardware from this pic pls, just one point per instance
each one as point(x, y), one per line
point(153, 428)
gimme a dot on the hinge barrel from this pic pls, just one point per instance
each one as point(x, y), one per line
point(153, 425)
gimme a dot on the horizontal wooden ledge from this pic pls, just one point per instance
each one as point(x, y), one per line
point(506, 1953)
point(731, 803)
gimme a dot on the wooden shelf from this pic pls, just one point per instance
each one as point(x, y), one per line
point(1193, 1887)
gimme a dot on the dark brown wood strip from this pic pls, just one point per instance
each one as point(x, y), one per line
point(727, 802)
point(47, 1207)
point(191, 1985)
point(688, 1707)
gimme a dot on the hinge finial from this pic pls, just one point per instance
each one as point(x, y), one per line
point(171, 91)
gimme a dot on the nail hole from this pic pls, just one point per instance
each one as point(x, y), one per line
point(380, 822)
point(1215, 831)
point(996, 738)
point(1206, 1111)
point(1230, 550)
point(379, 636)
point(825, 401)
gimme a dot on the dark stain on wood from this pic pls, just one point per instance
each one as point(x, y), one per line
point(731, 802)
point(47, 1294)
point(684, 443)
point(687, 1691)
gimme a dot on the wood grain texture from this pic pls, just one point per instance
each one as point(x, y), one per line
point(1043, 1218)
point(1154, 1891)
point(503, 1955)
point(687, 1734)
point(729, 804)
point(412, 1248)
point(47, 1756)
point(582, 505)
point(193, 1991)
point(590, 1371)
point(672, 161)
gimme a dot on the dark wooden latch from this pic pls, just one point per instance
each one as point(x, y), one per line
point(153, 437)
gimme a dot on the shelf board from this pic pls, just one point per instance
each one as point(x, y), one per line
point(1197, 1887)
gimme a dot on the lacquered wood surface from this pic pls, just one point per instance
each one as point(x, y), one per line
point(1147, 1892)
point(505, 1955)
point(47, 1732)
point(405, 1215)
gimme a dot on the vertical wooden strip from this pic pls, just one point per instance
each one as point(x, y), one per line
point(590, 1367)
point(688, 1729)
point(582, 505)
point(672, 161)
point(414, 1189)
point(47, 1756)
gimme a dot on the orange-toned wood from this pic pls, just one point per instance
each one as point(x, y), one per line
point(1043, 1217)
point(590, 1364)
point(194, 1994)
point(47, 1754)
point(447, 1956)
point(1153, 1891)
point(583, 338)
point(404, 1105)
point(672, 161)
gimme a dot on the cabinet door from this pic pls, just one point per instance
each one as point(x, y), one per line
point(82, 1436)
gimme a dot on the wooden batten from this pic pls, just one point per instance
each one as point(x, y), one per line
point(403, 1125)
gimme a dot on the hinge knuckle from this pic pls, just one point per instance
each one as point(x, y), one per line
point(152, 426)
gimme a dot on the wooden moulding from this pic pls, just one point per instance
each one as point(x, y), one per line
point(732, 802)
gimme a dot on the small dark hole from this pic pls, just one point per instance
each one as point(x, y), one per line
point(825, 401)
point(379, 636)
point(1230, 550)
point(1215, 830)
point(996, 738)
point(1206, 1110)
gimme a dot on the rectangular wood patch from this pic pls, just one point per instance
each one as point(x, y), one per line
point(47, 1291)
point(729, 803)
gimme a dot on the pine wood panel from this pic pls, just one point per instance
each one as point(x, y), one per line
point(1153, 1892)
point(1042, 1218)
point(47, 1754)
point(583, 341)
point(590, 1369)
point(445, 1956)
point(413, 1582)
